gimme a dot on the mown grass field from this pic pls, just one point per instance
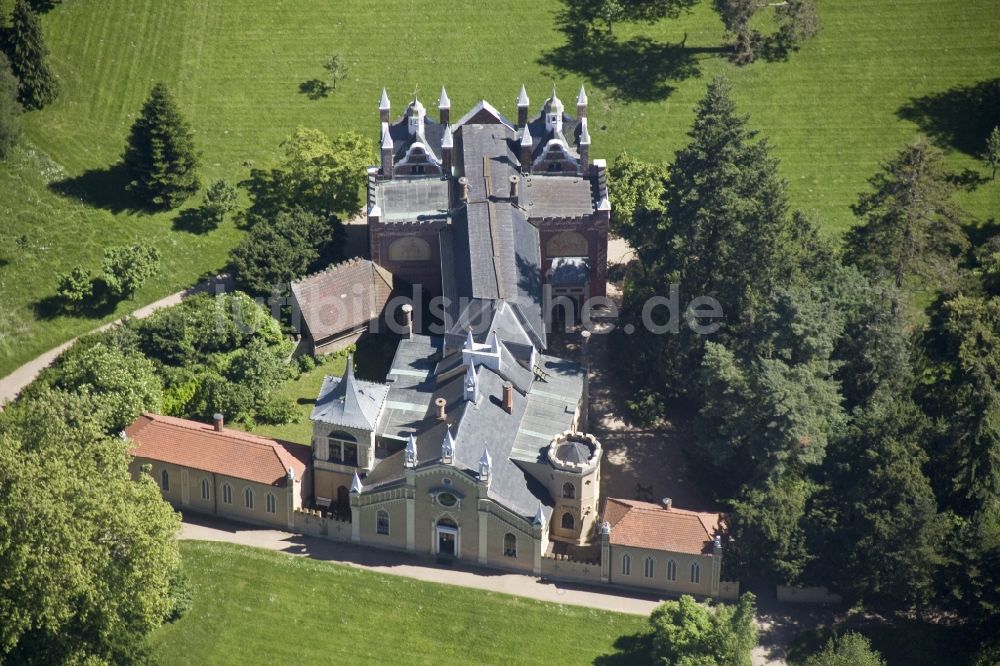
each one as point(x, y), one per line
point(833, 111)
point(255, 606)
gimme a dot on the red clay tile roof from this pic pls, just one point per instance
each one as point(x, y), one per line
point(646, 525)
point(342, 297)
point(230, 452)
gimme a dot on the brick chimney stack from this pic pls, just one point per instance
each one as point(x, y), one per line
point(508, 397)
point(440, 403)
point(218, 421)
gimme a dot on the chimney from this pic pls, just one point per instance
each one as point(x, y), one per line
point(440, 404)
point(444, 107)
point(463, 188)
point(508, 397)
point(513, 187)
point(217, 418)
point(522, 108)
point(408, 320)
point(667, 503)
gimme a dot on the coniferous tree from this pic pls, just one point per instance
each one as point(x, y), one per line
point(160, 154)
point(10, 108)
point(911, 226)
point(26, 47)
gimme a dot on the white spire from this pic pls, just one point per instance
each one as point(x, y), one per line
point(410, 457)
point(581, 98)
point(526, 137)
point(539, 516)
point(356, 485)
point(522, 97)
point(383, 104)
point(584, 133)
point(470, 344)
point(471, 384)
point(494, 343)
point(386, 137)
point(443, 101)
point(447, 141)
point(485, 466)
point(447, 447)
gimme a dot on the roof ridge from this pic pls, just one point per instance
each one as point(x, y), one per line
point(341, 264)
point(206, 428)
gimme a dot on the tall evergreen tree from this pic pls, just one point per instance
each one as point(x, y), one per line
point(910, 227)
point(160, 154)
point(26, 47)
point(10, 108)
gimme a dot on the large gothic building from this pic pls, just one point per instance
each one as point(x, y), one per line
point(475, 445)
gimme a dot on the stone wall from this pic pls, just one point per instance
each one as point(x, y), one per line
point(318, 524)
point(729, 590)
point(564, 568)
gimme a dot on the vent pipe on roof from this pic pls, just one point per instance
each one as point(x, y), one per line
point(463, 188)
point(217, 418)
point(513, 187)
point(407, 320)
point(440, 404)
point(667, 502)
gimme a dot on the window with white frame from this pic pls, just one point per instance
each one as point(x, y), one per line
point(382, 522)
point(647, 568)
point(626, 565)
point(695, 573)
point(272, 505)
point(227, 493)
point(248, 498)
point(671, 570)
point(205, 490)
point(164, 480)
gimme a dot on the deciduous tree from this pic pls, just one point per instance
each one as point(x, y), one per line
point(125, 269)
point(336, 69)
point(279, 250)
point(75, 286)
point(221, 199)
point(160, 154)
point(685, 632)
point(636, 189)
point(851, 649)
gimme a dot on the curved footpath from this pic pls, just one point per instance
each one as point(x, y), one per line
point(12, 384)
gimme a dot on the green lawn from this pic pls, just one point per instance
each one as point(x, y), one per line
point(255, 606)
point(832, 112)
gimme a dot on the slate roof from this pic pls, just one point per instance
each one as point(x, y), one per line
point(645, 525)
point(231, 452)
point(342, 297)
point(348, 401)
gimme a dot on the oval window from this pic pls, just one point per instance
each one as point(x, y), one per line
point(447, 499)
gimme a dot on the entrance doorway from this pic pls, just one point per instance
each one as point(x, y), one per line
point(446, 532)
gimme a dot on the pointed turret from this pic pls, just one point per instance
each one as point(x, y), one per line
point(384, 106)
point(415, 114)
point(410, 456)
point(539, 517)
point(471, 384)
point(448, 447)
point(526, 147)
point(447, 146)
point(522, 107)
point(470, 344)
point(444, 107)
point(581, 104)
point(356, 486)
point(485, 466)
point(554, 113)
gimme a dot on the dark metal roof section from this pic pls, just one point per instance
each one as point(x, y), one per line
point(348, 401)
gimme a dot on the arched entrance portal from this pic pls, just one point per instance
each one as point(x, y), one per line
point(446, 538)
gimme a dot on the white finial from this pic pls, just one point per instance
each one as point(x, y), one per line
point(522, 98)
point(447, 447)
point(605, 527)
point(410, 457)
point(386, 137)
point(383, 104)
point(581, 98)
point(470, 344)
point(471, 384)
point(485, 466)
point(356, 486)
point(494, 343)
point(584, 133)
point(526, 137)
point(447, 141)
point(443, 101)
point(539, 516)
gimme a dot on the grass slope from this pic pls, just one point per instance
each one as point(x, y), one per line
point(255, 606)
point(878, 73)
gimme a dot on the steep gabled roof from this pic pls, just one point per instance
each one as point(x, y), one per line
point(342, 297)
point(348, 401)
point(646, 525)
point(231, 453)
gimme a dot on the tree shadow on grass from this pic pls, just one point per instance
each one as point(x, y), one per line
point(100, 188)
point(960, 117)
point(315, 88)
point(96, 307)
point(637, 69)
point(629, 650)
point(193, 221)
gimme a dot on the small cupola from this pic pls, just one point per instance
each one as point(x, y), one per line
point(485, 466)
point(410, 456)
point(554, 110)
point(415, 114)
point(448, 447)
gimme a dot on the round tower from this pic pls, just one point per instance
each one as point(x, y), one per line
point(574, 483)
